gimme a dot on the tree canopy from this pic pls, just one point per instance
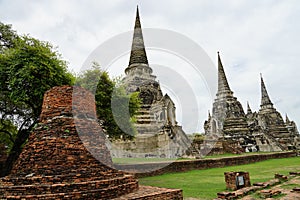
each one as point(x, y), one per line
point(28, 68)
point(115, 109)
point(7, 37)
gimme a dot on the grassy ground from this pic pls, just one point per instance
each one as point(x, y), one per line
point(204, 184)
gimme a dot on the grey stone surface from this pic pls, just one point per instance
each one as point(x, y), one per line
point(264, 130)
point(159, 134)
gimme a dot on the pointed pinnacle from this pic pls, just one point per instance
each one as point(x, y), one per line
point(223, 85)
point(287, 120)
point(138, 52)
point(248, 108)
point(265, 99)
point(137, 18)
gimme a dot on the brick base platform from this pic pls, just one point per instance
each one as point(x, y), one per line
point(150, 193)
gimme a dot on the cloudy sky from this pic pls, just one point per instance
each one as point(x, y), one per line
point(253, 37)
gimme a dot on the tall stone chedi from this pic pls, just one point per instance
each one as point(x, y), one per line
point(228, 117)
point(264, 130)
point(158, 134)
point(271, 124)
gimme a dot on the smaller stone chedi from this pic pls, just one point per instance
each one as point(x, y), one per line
point(264, 130)
point(158, 134)
point(66, 156)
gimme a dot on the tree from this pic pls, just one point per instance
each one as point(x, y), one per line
point(28, 68)
point(115, 109)
point(7, 37)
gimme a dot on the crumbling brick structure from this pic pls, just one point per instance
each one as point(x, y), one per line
point(66, 156)
point(237, 180)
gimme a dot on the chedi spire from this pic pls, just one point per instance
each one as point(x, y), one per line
point(223, 86)
point(287, 120)
point(265, 99)
point(138, 53)
point(248, 108)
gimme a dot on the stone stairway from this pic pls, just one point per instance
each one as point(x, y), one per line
point(272, 139)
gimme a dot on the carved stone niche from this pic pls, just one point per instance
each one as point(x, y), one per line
point(237, 180)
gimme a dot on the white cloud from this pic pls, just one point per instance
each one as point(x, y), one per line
point(259, 36)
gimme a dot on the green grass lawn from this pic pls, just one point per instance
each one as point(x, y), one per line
point(204, 184)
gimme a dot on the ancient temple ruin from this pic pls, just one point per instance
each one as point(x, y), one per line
point(272, 133)
point(66, 157)
point(264, 130)
point(159, 134)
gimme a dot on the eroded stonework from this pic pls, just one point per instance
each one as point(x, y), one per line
point(159, 135)
point(264, 130)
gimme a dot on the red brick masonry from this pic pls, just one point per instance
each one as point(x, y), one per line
point(237, 180)
point(66, 156)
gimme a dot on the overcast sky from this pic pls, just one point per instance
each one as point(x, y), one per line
point(253, 37)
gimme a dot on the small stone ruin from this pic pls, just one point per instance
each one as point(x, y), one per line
point(237, 180)
point(66, 156)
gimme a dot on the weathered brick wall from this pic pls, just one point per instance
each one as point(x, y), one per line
point(54, 147)
point(66, 156)
point(182, 165)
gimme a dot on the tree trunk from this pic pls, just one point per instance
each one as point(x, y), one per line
point(15, 151)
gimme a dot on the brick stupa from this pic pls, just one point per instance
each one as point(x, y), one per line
point(66, 156)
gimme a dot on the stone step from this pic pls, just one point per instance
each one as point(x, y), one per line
point(148, 121)
point(107, 193)
point(144, 117)
point(150, 193)
point(146, 112)
point(147, 127)
point(68, 187)
point(95, 171)
point(84, 176)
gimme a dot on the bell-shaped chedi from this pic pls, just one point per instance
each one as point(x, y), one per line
point(272, 124)
point(228, 116)
point(66, 156)
point(158, 133)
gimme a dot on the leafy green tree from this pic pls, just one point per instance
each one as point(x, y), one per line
point(28, 68)
point(7, 37)
point(115, 109)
